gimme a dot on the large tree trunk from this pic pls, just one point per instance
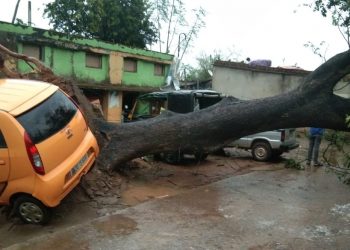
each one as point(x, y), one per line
point(311, 104)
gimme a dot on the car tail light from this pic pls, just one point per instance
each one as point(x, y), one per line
point(283, 135)
point(34, 155)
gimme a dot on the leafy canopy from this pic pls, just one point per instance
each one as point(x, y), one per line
point(176, 26)
point(118, 21)
point(340, 13)
point(204, 69)
point(205, 64)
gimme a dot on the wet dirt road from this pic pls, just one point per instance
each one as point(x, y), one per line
point(143, 182)
point(159, 181)
point(281, 209)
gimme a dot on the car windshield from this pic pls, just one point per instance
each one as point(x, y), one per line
point(48, 117)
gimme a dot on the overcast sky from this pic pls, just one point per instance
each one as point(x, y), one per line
point(259, 29)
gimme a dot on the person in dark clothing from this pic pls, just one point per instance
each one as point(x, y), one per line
point(315, 136)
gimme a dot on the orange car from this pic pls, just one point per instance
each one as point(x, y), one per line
point(46, 146)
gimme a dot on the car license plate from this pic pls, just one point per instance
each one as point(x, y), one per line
point(79, 165)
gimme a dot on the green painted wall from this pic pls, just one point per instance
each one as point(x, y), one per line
point(23, 67)
point(67, 57)
point(62, 62)
point(48, 59)
point(87, 73)
point(69, 63)
point(40, 33)
point(144, 75)
point(142, 108)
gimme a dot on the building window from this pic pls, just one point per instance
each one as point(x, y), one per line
point(130, 65)
point(33, 51)
point(159, 69)
point(93, 60)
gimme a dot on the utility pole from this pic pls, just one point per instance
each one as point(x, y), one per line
point(29, 13)
point(15, 13)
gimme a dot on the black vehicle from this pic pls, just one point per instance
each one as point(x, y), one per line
point(182, 101)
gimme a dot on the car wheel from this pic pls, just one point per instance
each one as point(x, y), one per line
point(31, 210)
point(261, 151)
point(172, 158)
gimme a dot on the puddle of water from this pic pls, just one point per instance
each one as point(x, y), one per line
point(116, 225)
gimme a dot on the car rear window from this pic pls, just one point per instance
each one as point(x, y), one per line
point(48, 117)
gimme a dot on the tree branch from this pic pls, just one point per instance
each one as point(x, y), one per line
point(311, 104)
point(41, 67)
point(230, 120)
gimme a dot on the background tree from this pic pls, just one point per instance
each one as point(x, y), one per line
point(205, 64)
point(336, 153)
point(339, 10)
point(174, 29)
point(119, 21)
point(319, 50)
point(204, 69)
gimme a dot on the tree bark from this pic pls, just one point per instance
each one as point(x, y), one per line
point(311, 104)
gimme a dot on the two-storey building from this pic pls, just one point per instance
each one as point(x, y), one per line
point(111, 75)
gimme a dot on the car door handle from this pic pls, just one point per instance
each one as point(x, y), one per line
point(2, 162)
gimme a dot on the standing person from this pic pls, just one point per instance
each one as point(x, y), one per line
point(315, 136)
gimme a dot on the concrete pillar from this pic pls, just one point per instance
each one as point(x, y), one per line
point(112, 106)
point(115, 68)
point(114, 100)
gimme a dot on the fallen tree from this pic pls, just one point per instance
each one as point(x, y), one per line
point(311, 104)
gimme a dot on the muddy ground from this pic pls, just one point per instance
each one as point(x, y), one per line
point(144, 180)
